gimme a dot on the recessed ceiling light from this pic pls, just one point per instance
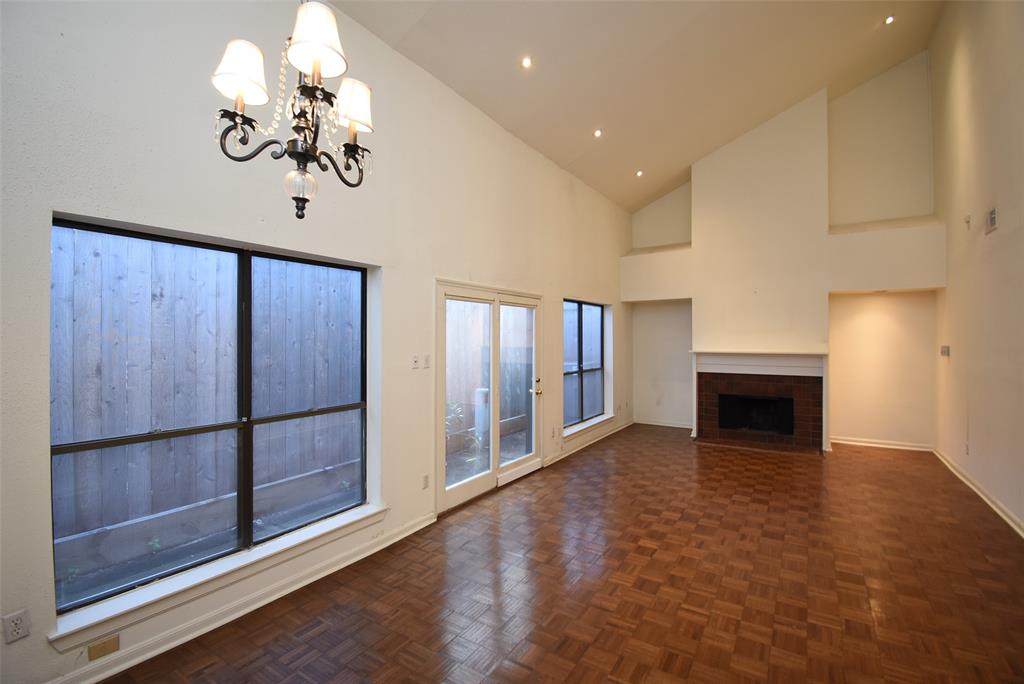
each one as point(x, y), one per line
point(639, 172)
point(526, 62)
point(889, 19)
point(597, 132)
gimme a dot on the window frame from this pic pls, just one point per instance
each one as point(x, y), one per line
point(580, 370)
point(244, 424)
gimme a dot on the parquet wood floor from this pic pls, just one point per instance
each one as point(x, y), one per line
point(647, 557)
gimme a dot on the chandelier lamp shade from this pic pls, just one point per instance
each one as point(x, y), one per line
point(240, 74)
point(355, 110)
point(315, 42)
point(314, 113)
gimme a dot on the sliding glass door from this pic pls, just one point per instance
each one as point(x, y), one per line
point(467, 364)
point(489, 384)
point(516, 358)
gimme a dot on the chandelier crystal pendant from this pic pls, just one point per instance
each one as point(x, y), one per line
point(314, 50)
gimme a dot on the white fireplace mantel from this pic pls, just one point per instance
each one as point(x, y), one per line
point(759, 363)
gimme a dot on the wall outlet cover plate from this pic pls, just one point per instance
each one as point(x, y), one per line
point(98, 649)
point(17, 625)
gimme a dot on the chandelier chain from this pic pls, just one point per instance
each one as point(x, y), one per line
point(282, 83)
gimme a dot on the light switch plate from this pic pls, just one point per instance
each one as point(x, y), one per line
point(990, 223)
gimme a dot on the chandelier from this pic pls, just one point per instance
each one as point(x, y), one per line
point(314, 49)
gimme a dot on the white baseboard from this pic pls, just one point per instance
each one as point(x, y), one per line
point(659, 423)
point(857, 441)
point(584, 442)
point(133, 655)
point(993, 503)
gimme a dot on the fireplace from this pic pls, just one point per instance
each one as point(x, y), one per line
point(761, 414)
point(767, 410)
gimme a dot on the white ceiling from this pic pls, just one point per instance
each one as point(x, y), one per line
point(667, 82)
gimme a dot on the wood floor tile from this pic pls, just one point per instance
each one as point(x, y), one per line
point(649, 558)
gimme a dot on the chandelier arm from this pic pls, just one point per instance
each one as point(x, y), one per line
point(244, 140)
point(348, 166)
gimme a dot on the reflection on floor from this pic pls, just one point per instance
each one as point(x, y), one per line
point(646, 557)
point(472, 461)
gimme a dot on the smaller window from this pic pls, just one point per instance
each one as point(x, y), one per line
point(583, 361)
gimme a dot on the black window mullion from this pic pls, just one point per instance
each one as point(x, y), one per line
point(245, 477)
point(295, 415)
point(601, 364)
point(362, 371)
point(579, 355)
point(154, 436)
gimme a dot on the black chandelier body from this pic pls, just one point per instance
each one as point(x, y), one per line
point(302, 147)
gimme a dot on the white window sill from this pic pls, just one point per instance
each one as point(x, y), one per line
point(83, 625)
point(587, 425)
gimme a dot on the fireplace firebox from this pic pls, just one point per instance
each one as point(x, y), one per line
point(763, 414)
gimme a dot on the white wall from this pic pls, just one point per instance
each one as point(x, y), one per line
point(662, 274)
point(881, 366)
point(760, 225)
point(452, 195)
point(665, 221)
point(978, 95)
point(662, 365)
point(906, 255)
point(763, 258)
point(880, 147)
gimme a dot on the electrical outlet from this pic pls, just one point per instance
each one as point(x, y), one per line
point(426, 360)
point(426, 481)
point(415, 362)
point(16, 626)
point(98, 649)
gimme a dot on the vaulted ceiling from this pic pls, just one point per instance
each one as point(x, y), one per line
point(666, 82)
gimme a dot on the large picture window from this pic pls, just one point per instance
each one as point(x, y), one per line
point(582, 361)
point(202, 400)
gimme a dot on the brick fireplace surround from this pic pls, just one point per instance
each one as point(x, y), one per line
point(806, 393)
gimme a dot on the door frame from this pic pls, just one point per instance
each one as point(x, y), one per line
point(497, 475)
